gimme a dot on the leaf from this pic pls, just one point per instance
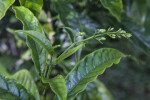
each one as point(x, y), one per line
point(69, 53)
point(96, 90)
point(34, 5)
point(70, 18)
point(89, 68)
point(114, 7)
point(3, 71)
point(58, 86)
point(142, 9)
point(10, 89)
point(39, 38)
point(24, 78)
point(140, 38)
point(4, 5)
point(30, 22)
point(18, 35)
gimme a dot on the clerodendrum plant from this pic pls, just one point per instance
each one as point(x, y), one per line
point(21, 85)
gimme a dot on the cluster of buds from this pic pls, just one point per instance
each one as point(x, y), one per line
point(119, 33)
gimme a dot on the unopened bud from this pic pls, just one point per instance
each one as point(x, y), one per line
point(102, 30)
point(102, 38)
point(81, 33)
point(128, 35)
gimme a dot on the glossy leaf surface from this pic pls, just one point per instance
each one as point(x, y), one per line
point(30, 22)
point(4, 5)
point(58, 86)
point(24, 78)
point(114, 7)
point(11, 89)
point(34, 5)
point(89, 68)
point(39, 38)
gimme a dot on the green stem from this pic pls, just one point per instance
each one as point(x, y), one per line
point(50, 67)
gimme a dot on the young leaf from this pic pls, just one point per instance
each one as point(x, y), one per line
point(4, 5)
point(67, 54)
point(34, 5)
point(114, 6)
point(39, 38)
point(30, 22)
point(24, 78)
point(58, 86)
point(10, 89)
point(89, 68)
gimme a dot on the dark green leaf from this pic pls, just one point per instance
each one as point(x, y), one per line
point(11, 90)
point(70, 18)
point(89, 68)
point(34, 5)
point(4, 5)
point(58, 86)
point(140, 38)
point(114, 6)
point(142, 9)
point(39, 38)
point(30, 22)
point(96, 90)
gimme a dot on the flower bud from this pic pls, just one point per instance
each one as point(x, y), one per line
point(102, 38)
point(81, 33)
point(102, 30)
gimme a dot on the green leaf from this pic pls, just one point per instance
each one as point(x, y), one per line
point(3, 71)
point(58, 86)
point(10, 89)
point(34, 5)
point(114, 7)
point(96, 90)
point(89, 68)
point(30, 22)
point(4, 5)
point(140, 37)
point(39, 38)
point(18, 35)
point(69, 53)
point(24, 78)
point(142, 9)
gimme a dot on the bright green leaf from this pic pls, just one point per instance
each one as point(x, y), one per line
point(39, 38)
point(34, 5)
point(114, 6)
point(3, 71)
point(89, 68)
point(4, 5)
point(30, 22)
point(11, 90)
point(58, 86)
point(24, 78)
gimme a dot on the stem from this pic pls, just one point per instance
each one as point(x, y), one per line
point(50, 67)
